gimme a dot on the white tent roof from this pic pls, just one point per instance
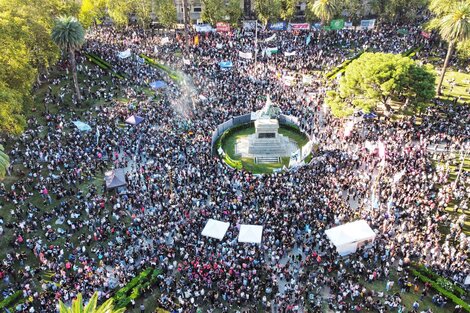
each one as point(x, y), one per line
point(250, 233)
point(349, 233)
point(215, 229)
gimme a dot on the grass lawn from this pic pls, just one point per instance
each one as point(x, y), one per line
point(461, 85)
point(409, 297)
point(228, 145)
point(453, 172)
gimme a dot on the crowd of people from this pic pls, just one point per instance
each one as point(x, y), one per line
point(88, 239)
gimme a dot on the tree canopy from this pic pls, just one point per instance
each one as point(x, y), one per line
point(378, 78)
point(26, 51)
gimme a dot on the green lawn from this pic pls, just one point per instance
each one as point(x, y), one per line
point(409, 297)
point(461, 85)
point(228, 145)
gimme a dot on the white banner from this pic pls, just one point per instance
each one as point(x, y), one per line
point(164, 40)
point(249, 25)
point(186, 61)
point(203, 28)
point(288, 80)
point(307, 149)
point(219, 46)
point(124, 54)
point(245, 55)
point(288, 54)
point(270, 38)
point(307, 79)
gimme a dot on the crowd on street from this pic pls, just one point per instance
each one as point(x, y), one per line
point(92, 239)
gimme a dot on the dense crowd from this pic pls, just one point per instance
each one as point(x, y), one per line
point(90, 239)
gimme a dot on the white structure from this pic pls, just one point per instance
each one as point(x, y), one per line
point(215, 229)
point(349, 237)
point(250, 233)
point(266, 145)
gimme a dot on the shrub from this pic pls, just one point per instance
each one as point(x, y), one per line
point(443, 282)
point(449, 295)
point(10, 300)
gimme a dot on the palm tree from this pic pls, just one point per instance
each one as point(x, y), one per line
point(4, 162)
point(325, 10)
point(454, 27)
point(69, 35)
point(77, 306)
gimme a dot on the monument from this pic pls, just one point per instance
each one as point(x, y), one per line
point(266, 145)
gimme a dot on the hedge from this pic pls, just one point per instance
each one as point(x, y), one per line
point(412, 52)
point(134, 288)
point(443, 282)
point(342, 67)
point(10, 300)
point(442, 291)
point(174, 75)
point(103, 64)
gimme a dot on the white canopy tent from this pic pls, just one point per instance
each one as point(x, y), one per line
point(250, 233)
point(215, 229)
point(349, 237)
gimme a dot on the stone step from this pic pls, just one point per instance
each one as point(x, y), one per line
point(267, 159)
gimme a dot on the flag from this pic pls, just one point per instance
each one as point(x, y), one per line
point(196, 40)
point(309, 38)
point(289, 54)
point(245, 55)
point(337, 24)
point(381, 147)
point(426, 34)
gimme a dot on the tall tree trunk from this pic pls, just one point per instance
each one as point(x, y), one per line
point(185, 21)
point(444, 68)
point(73, 65)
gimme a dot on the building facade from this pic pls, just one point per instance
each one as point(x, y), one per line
point(195, 8)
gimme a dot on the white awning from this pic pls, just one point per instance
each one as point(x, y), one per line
point(215, 229)
point(250, 233)
point(347, 237)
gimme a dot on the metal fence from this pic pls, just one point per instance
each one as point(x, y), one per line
point(245, 119)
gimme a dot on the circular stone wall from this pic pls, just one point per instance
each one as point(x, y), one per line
point(229, 139)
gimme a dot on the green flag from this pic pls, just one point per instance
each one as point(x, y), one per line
point(326, 27)
point(402, 31)
point(337, 24)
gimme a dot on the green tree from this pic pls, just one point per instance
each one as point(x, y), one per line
point(4, 162)
point(288, 9)
point(91, 307)
point(92, 12)
point(213, 11)
point(16, 71)
point(453, 22)
point(325, 10)
point(354, 8)
point(69, 35)
point(11, 108)
point(403, 10)
point(119, 11)
point(143, 11)
point(379, 78)
point(234, 11)
point(31, 26)
point(166, 13)
point(268, 10)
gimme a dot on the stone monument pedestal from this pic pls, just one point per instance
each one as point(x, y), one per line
point(266, 145)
